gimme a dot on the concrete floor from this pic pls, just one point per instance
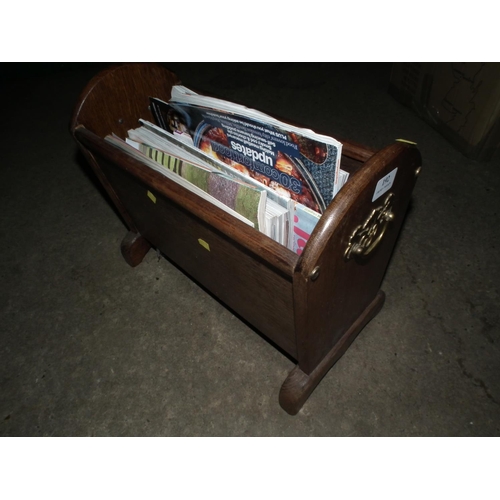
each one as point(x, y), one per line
point(92, 347)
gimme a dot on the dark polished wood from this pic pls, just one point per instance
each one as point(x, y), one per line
point(298, 386)
point(260, 246)
point(312, 306)
point(134, 248)
point(325, 308)
point(114, 100)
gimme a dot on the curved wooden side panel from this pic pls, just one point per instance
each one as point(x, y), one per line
point(115, 99)
point(112, 102)
point(331, 291)
point(336, 295)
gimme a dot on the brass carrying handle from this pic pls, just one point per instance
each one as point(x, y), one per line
point(366, 237)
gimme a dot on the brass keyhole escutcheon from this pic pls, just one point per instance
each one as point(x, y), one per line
point(366, 237)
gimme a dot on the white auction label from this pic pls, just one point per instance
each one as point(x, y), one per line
point(384, 184)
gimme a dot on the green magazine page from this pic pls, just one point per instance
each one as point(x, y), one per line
point(247, 200)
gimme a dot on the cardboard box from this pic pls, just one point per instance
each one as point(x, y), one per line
point(460, 100)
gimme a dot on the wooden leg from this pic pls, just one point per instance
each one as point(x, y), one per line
point(298, 386)
point(134, 248)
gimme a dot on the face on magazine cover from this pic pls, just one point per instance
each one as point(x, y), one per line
point(176, 123)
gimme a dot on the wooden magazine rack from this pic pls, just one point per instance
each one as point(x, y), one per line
point(312, 306)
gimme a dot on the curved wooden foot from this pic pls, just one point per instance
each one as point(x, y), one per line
point(134, 248)
point(298, 386)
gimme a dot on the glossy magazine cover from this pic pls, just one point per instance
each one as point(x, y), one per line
point(295, 166)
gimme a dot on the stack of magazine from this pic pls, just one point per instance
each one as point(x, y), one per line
point(273, 176)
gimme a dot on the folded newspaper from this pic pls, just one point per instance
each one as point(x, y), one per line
point(293, 161)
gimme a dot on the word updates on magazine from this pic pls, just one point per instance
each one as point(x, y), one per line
point(255, 155)
point(287, 181)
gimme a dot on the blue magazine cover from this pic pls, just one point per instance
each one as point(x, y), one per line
point(297, 166)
